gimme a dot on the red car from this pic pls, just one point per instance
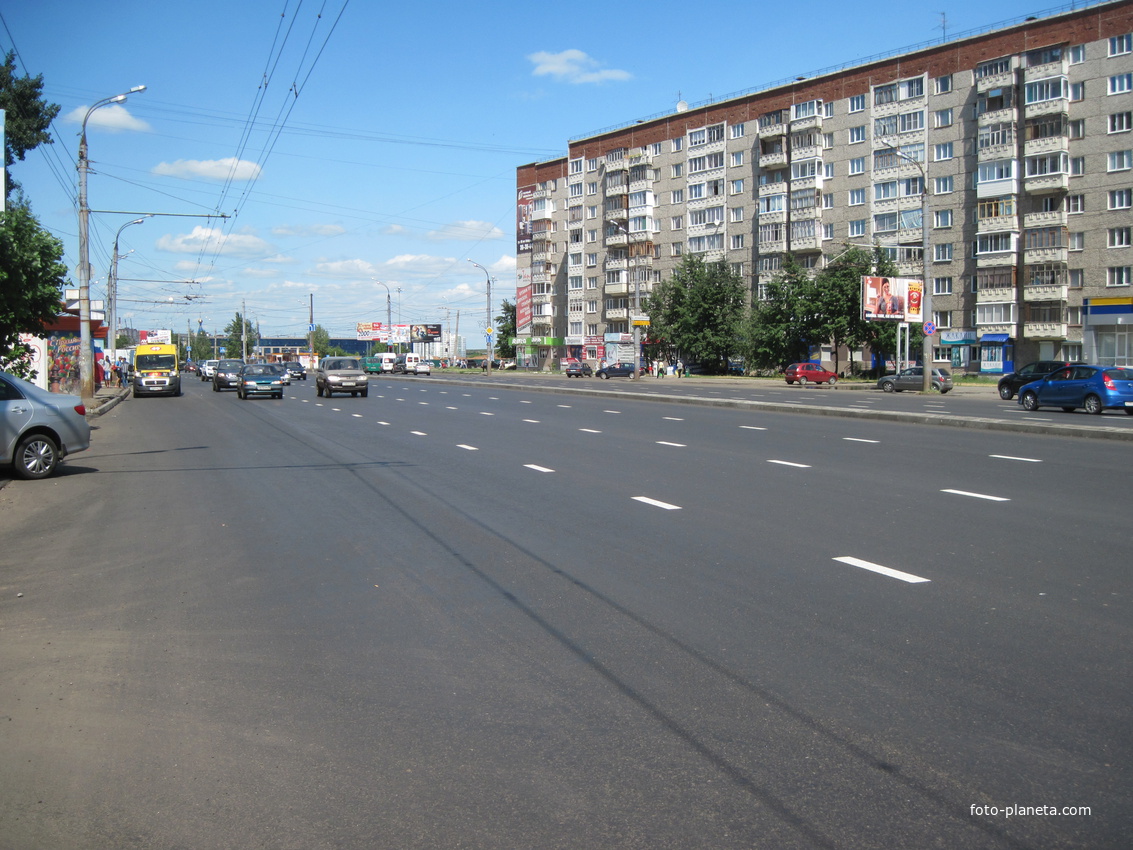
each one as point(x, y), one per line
point(806, 373)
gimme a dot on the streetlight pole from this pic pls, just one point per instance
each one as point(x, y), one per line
point(112, 286)
point(488, 328)
point(926, 294)
point(86, 355)
point(389, 314)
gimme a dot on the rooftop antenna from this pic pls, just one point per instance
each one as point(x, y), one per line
point(944, 25)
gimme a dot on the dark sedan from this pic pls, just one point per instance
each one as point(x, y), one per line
point(616, 370)
point(1012, 382)
point(575, 369)
point(227, 375)
point(297, 369)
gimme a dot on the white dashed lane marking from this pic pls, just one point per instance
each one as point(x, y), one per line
point(537, 468)
point(664, 505)
point(977, 495)
point(789, 463)
point(878, 568)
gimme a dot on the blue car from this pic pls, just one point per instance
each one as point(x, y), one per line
point(1094, 388)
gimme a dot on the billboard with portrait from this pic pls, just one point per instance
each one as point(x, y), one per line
point(892, 299)
point(424, 333)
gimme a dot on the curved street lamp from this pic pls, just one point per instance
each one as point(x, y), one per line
point(86, 354)
point(488, 328)
point(112, 286)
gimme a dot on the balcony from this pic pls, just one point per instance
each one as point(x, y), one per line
point(996, 81)
point(996, 295)
point(615, 315)
point(777, 188)
point(614, 191)
point(1051, 144)
point(772, 130)
point(1001, 258)
point(997, 188)
point(1046, 292)
point(616, 214)
point(1047, 107)
point(1006, 115)
point(1041, 256)
point(1044, 219)
point(621, 288)
point(1045, 330)
point(773, 159)
point(990, 153)
point(811, 122)
point(996, 224)
point(1043, 184)
point(773, 246)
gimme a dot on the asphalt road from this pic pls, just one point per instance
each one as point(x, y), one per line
point(461, 615)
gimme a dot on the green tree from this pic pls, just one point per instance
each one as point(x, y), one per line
point(505, 331)
point(838, 300)
point(32, 275)
point(27, 116)
point(698, 312)
point(320, 341)
point(234, 332)
point(783, 323)
point(202, 346)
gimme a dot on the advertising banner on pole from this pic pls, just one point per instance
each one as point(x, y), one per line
point(892, 299)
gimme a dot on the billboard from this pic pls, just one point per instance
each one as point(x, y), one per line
point(424, 333)
point(523, 309)
point(892, 299)
point(163, 336)
point(379, 332)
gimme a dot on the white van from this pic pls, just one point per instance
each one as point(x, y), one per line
point(406, 364)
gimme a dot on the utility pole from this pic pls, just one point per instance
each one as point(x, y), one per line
point(244, 330)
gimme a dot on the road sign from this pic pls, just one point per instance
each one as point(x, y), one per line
point(488, 331)
point(929, 328)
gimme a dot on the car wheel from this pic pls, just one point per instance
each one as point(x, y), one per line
point(802, 381)
point(944, 392)
point(1030, 401)
point(604, 375)
point(1093, 405)
point(790, 383)
point(365, 394)
point(832, 382)
point(279, 396)
point(1005, 393)
point(1129, 411)
point(36, 457)
point(887, 386)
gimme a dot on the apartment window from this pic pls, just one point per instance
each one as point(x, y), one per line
point(737, 187)
point(677, 249)
point(1046, 127)
point(677, 222)
point(995, 208)
point(576, 166)
point(828, 110)
point(885, 191)
point(942, 118)
point(1040, 91)
point(943, 84)
point(995, 314)
point(1120, 160)
point(993, 135)
point(1119, 237)
point(857, 197)
point(857, 227)
point(1076, 241)
point(737, 158)
point(576, 190)
point(737, 131)
point(857, 103)
point(1120, 199)
point(1119, 276)
point(1077, 166)
point(1119, 45)
point(697, 137)
point(1077, 278)
point(591, 260)
point(828, 231)
point(737, 241)
point(1077, 54)
point(1121, 83)
point(885, 222)
point(994, 100)
point(944, 185)
point(1054, 163)
point(1078, 128)
point(942, 252)
point(804, 199)
point(942, 151)
point(828, 140)
point(716, 133)
point(592, 164)
point(1044, 56)
point(1077, 92)
point(995, 243)
point(776, 203)
point(737, 214)
point(857, 165)
point(1044, 237)
point(804, 169)
point(697, 164)
point(857, 134)
point(999, 169)
point(828, 201)
point(677, 196)
point(695, 191)
point(942, 286)
point(1075, 204)
point(678, 144)
point(942, 319)
point(806, 110)
point(1121, 122)
point(942, 218)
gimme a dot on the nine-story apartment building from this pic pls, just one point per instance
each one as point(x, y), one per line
point(1007, 156)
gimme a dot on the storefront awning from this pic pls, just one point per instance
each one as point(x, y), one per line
point(995, 338)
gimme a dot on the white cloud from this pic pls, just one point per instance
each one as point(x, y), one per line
point(211, 240)
point(346, 269)
point(465, 231)
point(394, 230)
point(309, 230)
point(574, 66)
point(114, 118)
point(228, 168)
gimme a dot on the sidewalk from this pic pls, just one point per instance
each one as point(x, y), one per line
point(105, 398)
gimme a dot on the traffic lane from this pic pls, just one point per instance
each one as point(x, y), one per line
point(624, 530)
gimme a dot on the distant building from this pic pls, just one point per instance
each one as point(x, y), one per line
point(1022, 138)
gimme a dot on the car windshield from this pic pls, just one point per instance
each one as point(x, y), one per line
point(257, 370)
point(229, 364)
point(342, 364)
point(155, 361)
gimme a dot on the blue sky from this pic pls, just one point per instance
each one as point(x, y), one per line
point(352, 140)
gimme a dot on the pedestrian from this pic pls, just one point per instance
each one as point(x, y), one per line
point(680, 368)
point(122, 370)
point(99, 373)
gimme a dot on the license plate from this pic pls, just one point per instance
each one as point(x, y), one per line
point(1129, 404)
point(348, 383)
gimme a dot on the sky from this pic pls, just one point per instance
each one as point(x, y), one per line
point(362, 148)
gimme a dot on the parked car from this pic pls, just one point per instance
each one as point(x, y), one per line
point(260, 379)
point(296, 369)
point(616, 370)
point(423, 367)
point(341, 375)
point(806, 373)
point(38, 428)
point(577, 369)
point(208, 370)
point(1095, 388)
point(226, 376)
point(913, 379)
point(1010, 383)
